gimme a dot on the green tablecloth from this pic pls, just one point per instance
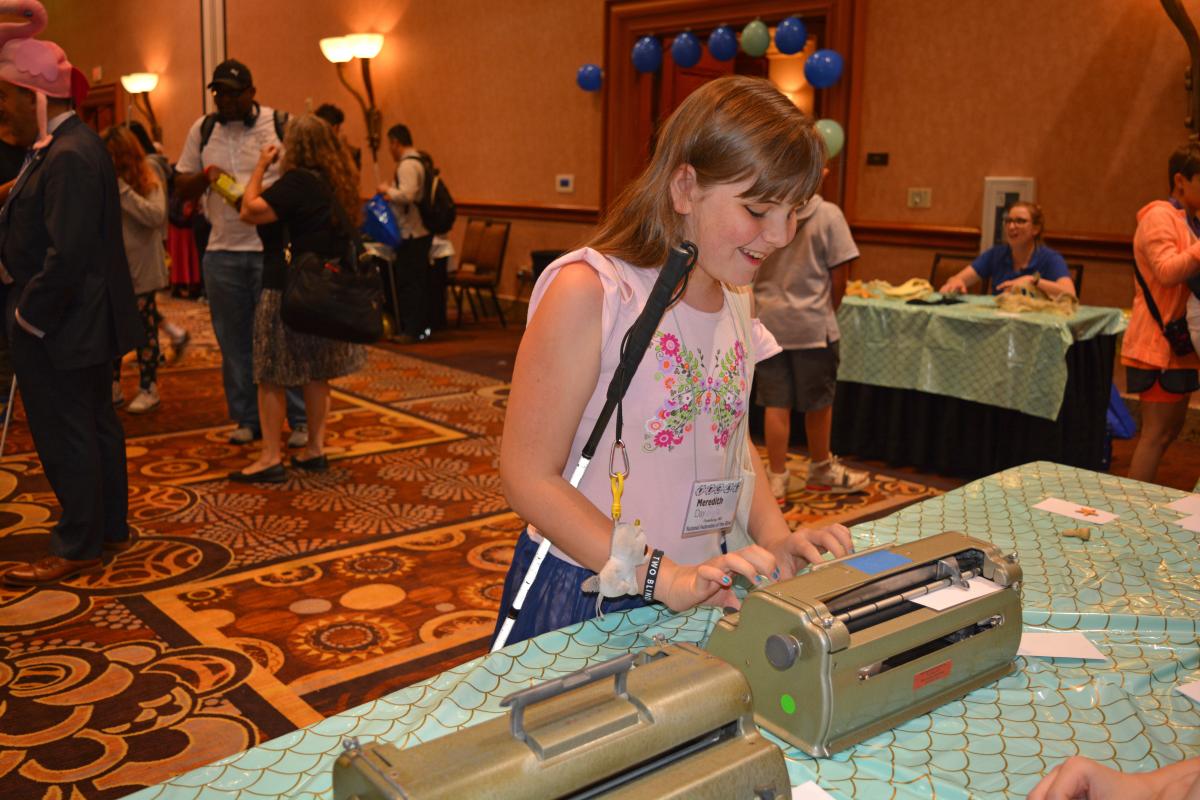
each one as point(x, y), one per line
point(971, 351)
point(1133, 589)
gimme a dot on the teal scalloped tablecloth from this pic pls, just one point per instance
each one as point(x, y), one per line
point(1133, 589)
point(972, 351)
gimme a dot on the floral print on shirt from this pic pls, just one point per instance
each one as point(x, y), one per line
point(719, 393)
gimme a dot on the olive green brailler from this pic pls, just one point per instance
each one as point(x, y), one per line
point(838, 654)
point(674, 722)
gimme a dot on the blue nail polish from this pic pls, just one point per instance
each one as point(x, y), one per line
point(726, 580)
point(775, 574)
point(760, 579)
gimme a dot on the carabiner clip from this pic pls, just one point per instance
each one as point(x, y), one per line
point(612, 459)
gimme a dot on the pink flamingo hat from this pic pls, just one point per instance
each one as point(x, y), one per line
point(35, 64)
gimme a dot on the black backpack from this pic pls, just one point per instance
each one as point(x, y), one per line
point(210, 123)
point(436, 206)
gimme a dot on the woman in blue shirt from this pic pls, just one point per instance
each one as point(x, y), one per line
point(1021, 261)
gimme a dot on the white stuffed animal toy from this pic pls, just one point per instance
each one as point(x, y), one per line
point(618, 576)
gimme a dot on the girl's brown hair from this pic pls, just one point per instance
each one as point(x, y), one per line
point(728, 130)
point(309, 143)
point(1035, 215)
point(129, 159)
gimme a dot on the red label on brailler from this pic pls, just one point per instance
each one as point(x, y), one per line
point(932, 675)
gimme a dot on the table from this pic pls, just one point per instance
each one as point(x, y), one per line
point(1133, 588)
point(968, 389)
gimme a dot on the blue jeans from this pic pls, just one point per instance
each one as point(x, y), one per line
point(233, 282)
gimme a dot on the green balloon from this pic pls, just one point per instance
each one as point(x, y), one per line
point(833, 135)
point(756, 38)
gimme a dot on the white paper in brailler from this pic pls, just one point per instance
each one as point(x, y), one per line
point(952, 596)
point(810, 791)
point(1063, 644)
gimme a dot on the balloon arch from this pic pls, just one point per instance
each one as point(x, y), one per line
point(822, 69)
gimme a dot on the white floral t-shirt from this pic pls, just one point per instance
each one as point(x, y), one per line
point(682, 408)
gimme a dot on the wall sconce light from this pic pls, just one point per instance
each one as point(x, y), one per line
point(363, 46)
point(139, 85)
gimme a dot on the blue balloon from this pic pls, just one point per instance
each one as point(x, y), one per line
point(589, 78)
point(791, 36)
point(685, 50)
point(823, 68)
point(722, 43)
point(647, 54)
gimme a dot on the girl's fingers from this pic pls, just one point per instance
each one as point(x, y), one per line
point(800, 546)
point(714, 574)
point(761, 559)
point(835, 539)
point(735, 562)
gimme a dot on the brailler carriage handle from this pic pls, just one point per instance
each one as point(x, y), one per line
point(535, 694)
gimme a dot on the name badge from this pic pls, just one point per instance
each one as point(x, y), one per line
point(712, 506)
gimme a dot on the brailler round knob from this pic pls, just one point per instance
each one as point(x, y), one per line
point(782, 650)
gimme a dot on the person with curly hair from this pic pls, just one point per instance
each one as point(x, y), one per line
point(314, 207)
point(143, 223)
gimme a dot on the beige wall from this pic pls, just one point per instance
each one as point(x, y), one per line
point(1086, 96)
point(122, 36)
point(488, 89)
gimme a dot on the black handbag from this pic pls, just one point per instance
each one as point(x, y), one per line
point(1176, 331)
point(336, 298)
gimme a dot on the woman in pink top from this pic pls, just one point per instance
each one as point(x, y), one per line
point(731, 167)
point(1167, 253)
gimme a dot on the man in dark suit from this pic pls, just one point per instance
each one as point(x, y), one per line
point(70, 311)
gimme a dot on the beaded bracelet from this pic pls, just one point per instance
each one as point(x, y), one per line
point(651, 576)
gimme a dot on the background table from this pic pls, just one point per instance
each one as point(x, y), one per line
point(1133, 588)
point(969, 390)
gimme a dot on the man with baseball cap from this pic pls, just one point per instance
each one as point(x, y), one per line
point(219, 155)
point(70, 304)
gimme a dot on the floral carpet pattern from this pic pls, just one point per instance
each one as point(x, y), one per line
point(244, 612)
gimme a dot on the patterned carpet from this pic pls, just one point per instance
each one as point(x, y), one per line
point(245, 612)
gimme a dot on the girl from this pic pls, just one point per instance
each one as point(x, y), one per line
point(732, 165)
point(143, 224)
point(303, 207)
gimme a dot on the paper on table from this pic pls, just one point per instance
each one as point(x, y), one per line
point(952, 596)
point(1059, 645)
point(810, 791)
point(1075, 511)
point(1191, 523)
point(1191, 690)
point(1186, 505)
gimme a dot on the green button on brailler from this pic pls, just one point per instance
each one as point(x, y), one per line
point(787, 703)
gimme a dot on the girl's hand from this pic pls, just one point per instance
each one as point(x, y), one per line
point(682, 586)
point(268, 155)
point(804, 546)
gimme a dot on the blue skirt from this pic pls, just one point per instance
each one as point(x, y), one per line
point(555, 599)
